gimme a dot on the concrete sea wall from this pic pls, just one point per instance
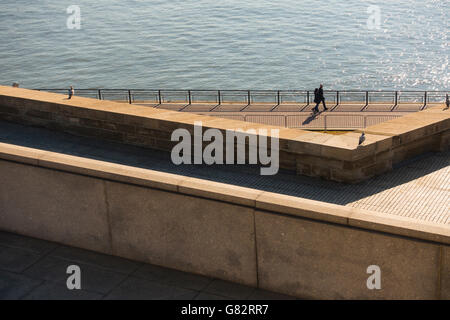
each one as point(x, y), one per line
point(285, 244)
point(337, 158)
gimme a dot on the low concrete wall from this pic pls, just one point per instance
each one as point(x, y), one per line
point(337, 158)
point(281, 243)
point(313, 259)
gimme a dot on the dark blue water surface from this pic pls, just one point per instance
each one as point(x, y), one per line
point(228, 44)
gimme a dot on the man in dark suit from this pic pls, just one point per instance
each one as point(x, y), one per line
point(318, 98)
point(71, 92)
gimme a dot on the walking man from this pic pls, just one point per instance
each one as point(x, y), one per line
point(318, 98)
point(71, 92)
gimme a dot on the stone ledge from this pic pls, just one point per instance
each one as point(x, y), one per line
point(283, 204)
point(303, 208)
point(386, 143)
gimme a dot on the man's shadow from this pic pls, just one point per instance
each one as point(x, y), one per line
point(312, 117)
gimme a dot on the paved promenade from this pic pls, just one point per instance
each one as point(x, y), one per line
point(34, 269)
point(342, 117)
point(418, 189)
point(288, 108)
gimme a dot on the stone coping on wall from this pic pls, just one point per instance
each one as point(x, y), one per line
point(261, 200)
point(378, 137)
point(334, 157)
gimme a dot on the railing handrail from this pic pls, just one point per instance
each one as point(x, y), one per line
point(243, 90)
point(397, 97)
point(324, 119)
point(337, 95)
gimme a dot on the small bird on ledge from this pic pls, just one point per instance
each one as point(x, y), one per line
point(362, 138)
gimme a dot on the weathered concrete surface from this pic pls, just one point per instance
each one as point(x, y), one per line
point(319, 208)
point(297, 247)
point(306, 258)
point(62, 207)
point(186, 233)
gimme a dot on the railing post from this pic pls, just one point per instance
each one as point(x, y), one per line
point(248, 97)
point(189, 97)
point(129, 96)
point(219, 100)
point(396, 99)
point(425, 97)
point(99, 94)
point(325, 122)
point(278, 97)
point(307, 98)
point(337, 98)
point(367, 101)
point(159, 97)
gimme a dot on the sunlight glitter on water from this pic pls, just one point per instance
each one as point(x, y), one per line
point(228, 45)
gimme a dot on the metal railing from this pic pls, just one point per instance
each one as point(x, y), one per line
point(322, 122)
point(301, 100)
